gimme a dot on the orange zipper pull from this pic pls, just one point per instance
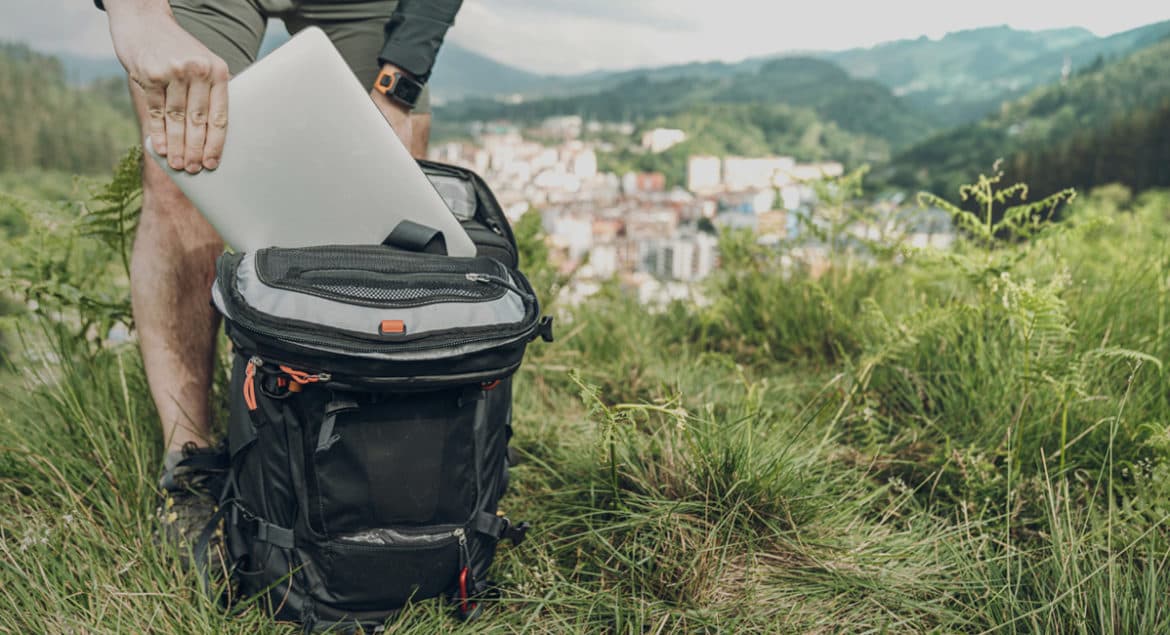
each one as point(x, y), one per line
point(302, 378)
point(250, 383)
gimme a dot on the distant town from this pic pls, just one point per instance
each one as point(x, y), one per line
point(655, 240)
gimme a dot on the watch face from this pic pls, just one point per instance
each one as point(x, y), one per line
point(407, 90)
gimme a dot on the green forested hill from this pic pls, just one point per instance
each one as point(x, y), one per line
point(971, 53)
point(799, 106)
point(46, 124)
point(1112, 106)
point(967, 74)
point(1133, 149)
point(1090, 53)
point(857, 105)
point(954, 79)
point(939, 75)
point(861, 106)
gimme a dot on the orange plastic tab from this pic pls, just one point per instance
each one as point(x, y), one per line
point(393, 326)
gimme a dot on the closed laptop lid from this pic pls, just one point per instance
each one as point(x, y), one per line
point(310, 160)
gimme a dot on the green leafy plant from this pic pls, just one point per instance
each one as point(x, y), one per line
point(71, 267)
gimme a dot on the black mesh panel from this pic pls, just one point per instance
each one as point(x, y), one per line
point(378, 276)
point(405, 294)
point(276, 264)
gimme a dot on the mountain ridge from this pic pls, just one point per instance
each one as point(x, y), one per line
point(1122, 95)
point(1026, 59)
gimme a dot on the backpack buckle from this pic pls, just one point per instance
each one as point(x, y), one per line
point(544, 328)
point(515, 533)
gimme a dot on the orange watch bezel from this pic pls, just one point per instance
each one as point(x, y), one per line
point(386, 72)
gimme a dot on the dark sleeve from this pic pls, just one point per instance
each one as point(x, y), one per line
point(98, 4)
point(415, 32)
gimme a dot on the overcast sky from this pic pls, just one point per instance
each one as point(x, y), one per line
point(568, 36)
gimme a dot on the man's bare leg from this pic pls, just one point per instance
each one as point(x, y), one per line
point(420, 124)
point(171, 272)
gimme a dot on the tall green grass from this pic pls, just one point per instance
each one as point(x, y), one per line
point(904, 442)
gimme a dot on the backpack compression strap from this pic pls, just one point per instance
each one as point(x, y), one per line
point(500, 528)
point(202, 548)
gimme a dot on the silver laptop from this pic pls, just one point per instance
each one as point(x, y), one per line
point(309, 160)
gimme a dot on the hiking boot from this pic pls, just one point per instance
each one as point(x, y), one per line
point(188, 493)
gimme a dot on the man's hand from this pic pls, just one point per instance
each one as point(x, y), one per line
point(185, 84)
point(395, 112)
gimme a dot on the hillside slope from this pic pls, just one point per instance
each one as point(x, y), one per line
point(1090, 103)
point(954, 79)
point(967, 74)
point(860, 107)
point(460, 72)
point(44, 123)
point(934, 73)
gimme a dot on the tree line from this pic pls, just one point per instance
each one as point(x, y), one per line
point(1133, 150)
point(1102, 126)
point(46, 124)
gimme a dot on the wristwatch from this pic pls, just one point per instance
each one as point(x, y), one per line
point(398, 86)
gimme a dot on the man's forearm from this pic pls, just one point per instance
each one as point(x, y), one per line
point(415, 33)
point(119, 8)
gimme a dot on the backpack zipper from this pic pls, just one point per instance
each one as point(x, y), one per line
point(342, 343)
point(378, 383)
point(392, 538)
point(331, 343)
point(487, 278)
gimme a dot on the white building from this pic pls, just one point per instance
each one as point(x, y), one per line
point(791, 196)
point(585, 164)
point(662, 139)
point(736, 220)
point(657, 293)
point(573, 234)
point(568, 126)
point(603, 262)
point(685, 258)
point(740, 173)
point(630, 182)
point(703, 173)
point(815, 171)
point(763, 200)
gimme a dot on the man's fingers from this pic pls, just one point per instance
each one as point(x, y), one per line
point(217, 120)
point(176, 122)
point(198, 101)
point(156, 103)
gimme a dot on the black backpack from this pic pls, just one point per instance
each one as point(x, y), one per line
point(370, 416)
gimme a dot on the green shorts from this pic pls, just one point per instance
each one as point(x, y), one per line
point(233, 29)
